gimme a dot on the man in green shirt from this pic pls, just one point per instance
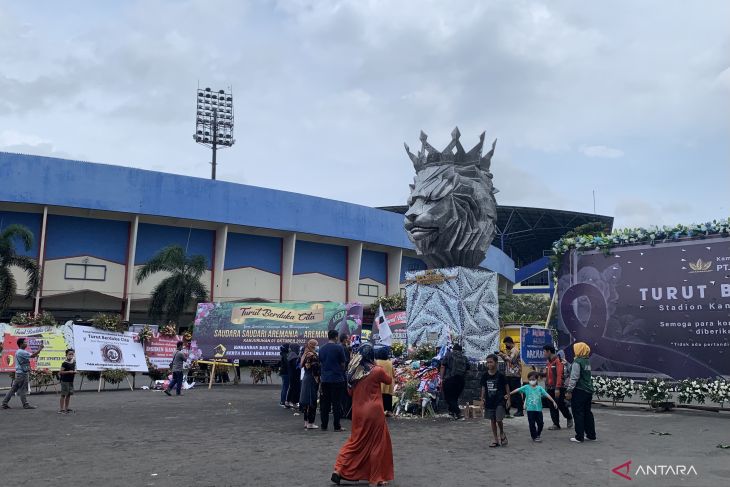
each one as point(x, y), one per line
point(580, 394)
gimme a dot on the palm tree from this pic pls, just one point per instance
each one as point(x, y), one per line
point(174, 294)
point(8, 259)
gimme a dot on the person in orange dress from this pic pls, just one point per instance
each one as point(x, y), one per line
point(368, 453)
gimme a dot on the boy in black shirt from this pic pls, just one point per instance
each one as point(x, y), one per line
point(494, 386)
point(66, 375)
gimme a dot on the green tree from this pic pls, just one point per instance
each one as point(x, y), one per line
point(9, 258)
point(520, 308)
point(176, 292)
point(591, 228)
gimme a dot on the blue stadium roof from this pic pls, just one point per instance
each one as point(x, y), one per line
point(68, 183)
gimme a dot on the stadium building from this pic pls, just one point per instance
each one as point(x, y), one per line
point(96, 224)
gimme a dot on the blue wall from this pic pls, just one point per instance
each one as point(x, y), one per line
point(330, 260)
point(66, 183)
point(374, 266)
point(71, 236)
point(152, 238)
point(35, 179)
point(253, 251)
point(410, 264)
point(32, 221)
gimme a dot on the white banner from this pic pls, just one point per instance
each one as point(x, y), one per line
point(99, 350)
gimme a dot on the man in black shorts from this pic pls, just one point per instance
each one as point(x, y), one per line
point(66, 376)
point(494, 389)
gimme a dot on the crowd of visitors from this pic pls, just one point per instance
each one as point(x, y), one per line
point(359, 385)
point(332, 376)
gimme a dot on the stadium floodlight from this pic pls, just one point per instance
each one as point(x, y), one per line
point(214, 121)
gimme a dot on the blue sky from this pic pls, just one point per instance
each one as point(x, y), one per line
point(629, 99)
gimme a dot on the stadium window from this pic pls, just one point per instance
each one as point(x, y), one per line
point(85, 272)
point(368, 290)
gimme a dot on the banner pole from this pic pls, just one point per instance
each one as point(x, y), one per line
point(212, 375)
point(552, 305)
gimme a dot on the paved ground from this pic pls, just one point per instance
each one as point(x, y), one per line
point(239, 436)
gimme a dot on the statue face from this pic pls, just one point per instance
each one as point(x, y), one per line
point(451, 215)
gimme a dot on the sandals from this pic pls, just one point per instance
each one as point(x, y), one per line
point(493, 444)
point(503, 439)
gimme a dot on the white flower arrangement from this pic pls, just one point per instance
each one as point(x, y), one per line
point(718, 391)
point(616, 389)
point(657, 391)
point(599, 386)
point(654, 391)
point(626, 236)
point(690, 390)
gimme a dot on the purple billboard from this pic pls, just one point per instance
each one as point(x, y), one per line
point(647, 310)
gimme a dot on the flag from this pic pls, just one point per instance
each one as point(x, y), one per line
point(386, 336)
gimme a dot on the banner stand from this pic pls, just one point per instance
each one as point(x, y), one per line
point(212, 376)
point(101, 379)
point(214, 364)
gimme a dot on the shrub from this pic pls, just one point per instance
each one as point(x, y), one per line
point(114, 376)
point(109, 322)
point(655, 391)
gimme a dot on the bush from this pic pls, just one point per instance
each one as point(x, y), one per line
point(599, 386)
point(521, 308)
point(398, 348)
point(91, 375)
point(157, 374)
point(109, 322)
point(42, 319)
point(689, 390)
point(396, 302)
point(114, 376)
point(718, 391)
point(424, 352)
point(41, 378)
point(655, 391)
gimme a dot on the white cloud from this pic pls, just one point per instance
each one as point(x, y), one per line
point(11, 138)
point(327, 91)
point(601, 151)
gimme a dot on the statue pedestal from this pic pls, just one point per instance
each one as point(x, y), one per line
point(456, 302)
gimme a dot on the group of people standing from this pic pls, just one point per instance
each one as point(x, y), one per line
point(331, 374)
point(315, 374)
point(563, 383)
point(344, 383)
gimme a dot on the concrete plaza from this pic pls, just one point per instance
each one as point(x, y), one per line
point(239, 436)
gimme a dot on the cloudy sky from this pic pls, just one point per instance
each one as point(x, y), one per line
point(626, 98)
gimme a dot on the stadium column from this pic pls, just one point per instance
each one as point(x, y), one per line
point(392, 286)
point(288, 246)
point(129, 271)
point(41, 260)
point(354, 259)
point(219, 256)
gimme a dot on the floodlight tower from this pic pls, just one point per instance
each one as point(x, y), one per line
point(214, 121)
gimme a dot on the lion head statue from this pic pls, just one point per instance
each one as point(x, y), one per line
point(452, 212)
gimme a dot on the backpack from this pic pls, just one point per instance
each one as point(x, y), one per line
point(566, 372)
point(459, 364)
